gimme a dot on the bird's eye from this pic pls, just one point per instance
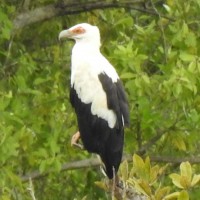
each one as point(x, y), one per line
point(78, 30)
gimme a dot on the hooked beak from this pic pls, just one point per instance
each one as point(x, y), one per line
point(65, 34)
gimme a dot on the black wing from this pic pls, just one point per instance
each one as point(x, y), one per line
point(116, 98)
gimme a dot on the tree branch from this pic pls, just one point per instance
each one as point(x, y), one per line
point(94, 162)
point(71, 8)
point(167, 159)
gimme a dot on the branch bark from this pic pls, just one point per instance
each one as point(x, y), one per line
point(68, 7)
point(94, 162)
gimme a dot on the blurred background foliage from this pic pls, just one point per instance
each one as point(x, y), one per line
point(157, 58)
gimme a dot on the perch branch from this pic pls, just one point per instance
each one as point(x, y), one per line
point(66, 166)
point(94, 162)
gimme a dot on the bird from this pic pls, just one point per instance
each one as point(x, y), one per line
point(98, 98)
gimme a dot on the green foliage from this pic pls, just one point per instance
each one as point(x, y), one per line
point(157, 58)
point(144, 178)
point(147, 180)
point(185, 180)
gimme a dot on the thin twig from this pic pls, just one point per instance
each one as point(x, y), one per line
point(138, 129)
point(162, 31)
point(8, 51)
point(31, 189)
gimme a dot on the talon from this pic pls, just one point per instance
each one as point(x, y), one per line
point(75, 138)
point(78, 145)
point(74, 141)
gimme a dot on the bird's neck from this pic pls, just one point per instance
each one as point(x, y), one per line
point(86, 47)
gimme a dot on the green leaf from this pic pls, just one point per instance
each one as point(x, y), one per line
point(141, 186)
point(185, 182)
point(195, 180)
point(147, 169)
point(183, 195)
point(124, 170)
point(101, 185)
point(127, 75)
point(186, 57)
point(178, 89)
point(190, 40)
point(172, 196)
point(192, 66)
point(146, 79)
point(185, 29)
point(160, 193)
point(179, 143)
point(145, 187)
point(57, 165)
point(43, 166)
point(40, 80)
point(167, 8)
point(140, 29)
point(84, 198)
point(186, 171)
point(176, 178)
point(138, 165)
point(154, 173)
point(125, 21)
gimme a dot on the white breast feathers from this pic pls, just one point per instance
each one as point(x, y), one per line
point(84, 78)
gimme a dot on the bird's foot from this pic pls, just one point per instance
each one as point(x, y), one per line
point(74, 141)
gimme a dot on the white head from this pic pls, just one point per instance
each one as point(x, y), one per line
point(82, 33)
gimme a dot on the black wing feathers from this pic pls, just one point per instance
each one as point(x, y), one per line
point(116, 98)
point(123, 102)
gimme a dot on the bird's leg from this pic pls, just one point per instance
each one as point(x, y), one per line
point(115, 186)
point(75, 138)
point(114, 182)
